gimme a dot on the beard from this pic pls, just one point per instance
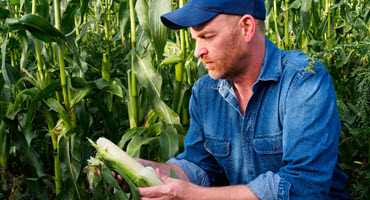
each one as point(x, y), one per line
point(219, 69)
point(228, 64)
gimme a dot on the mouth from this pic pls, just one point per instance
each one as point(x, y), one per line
point(208, 63)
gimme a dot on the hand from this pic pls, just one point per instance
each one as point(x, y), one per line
point(183, 190)
point(171, 189)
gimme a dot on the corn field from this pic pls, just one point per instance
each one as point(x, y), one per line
point(78, 69)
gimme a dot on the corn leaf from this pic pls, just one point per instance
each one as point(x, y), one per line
point(80, 94)
point(107, 86)
point(68, 16)
point(4, 145)
point(84, 7)
point(133, 148)
point(10, 74)
point(29, 154)
point(122, 18)
point(86, 26)
point(70, 165)
point(158, 30)
point(142, 14)
point(111, 126)
point(155, 129)
point(57, 107)
point(49, 89)
point(128, 135)
point(107, 175)
point(135, 194)
point(306, 15)
point(84, 117)
point(295, 4)
point(39, 27)
point(173, 174)
point(152, 81)
point(44, 5)
point(169, 143)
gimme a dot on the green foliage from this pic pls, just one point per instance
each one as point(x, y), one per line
point(43, 146)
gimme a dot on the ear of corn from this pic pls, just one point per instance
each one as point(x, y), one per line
point(119, 161)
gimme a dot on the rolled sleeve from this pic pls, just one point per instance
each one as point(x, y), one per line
point(270, 186)
point(195, 174)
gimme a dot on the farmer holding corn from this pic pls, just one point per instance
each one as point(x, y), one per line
point(259, 117)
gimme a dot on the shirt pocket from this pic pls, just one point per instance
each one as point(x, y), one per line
point(269, 151)
point(218, 147)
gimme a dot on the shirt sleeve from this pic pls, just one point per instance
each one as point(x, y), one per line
point(270, 186)
point(311, 129)
point(195, 174)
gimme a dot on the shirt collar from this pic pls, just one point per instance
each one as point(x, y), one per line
point(271, 69)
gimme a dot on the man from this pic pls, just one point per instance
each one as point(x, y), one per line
point(259, 117)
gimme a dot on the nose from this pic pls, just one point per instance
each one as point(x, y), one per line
point(200, 49)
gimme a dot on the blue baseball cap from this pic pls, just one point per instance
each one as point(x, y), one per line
point(196, 12)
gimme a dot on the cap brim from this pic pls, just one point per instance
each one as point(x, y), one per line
point(186, 16)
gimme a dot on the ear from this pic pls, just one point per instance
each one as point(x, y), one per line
point(248, 24)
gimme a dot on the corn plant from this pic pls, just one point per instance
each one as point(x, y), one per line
point(93, 68)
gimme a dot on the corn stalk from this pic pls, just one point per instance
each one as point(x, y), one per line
point(132, 102)
point(66, 93)
point(4, 151)
point(327, 13)
point(40, 67)
point(276, 24)
point(106, 55)
point(179, 70)
point(286, 25)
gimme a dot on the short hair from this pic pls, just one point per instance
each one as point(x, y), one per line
point(260, 23)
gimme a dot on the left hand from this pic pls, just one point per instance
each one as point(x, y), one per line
point(171, 189)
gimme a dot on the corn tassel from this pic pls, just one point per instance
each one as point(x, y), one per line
point(119, 161)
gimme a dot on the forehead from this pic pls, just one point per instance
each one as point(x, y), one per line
point(216, 24)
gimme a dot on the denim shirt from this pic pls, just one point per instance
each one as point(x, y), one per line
point(285, 146)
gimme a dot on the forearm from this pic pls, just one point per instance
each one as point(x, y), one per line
point(183, 190)
point(228, 192)
point(165, 168)
point(235, 192)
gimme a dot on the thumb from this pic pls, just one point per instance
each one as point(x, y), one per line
point(163, 178)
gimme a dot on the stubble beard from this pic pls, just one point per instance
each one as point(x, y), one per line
point(227, 66)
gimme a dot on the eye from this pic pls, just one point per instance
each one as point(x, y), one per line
point(207, 36)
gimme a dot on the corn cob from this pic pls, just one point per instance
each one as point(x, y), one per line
point(119, 161)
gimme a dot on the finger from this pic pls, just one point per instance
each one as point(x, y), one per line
point(150, 192)
point(113, 173)
point(144, 198)
point(119, 179)
point(163, 178)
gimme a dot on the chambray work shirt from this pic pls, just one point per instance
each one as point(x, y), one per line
point(285, 146)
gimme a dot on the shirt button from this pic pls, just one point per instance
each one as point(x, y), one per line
point(248, 140)
point(250, 171)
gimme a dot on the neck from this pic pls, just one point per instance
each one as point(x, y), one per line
point(243, 83)
point(253, 65)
